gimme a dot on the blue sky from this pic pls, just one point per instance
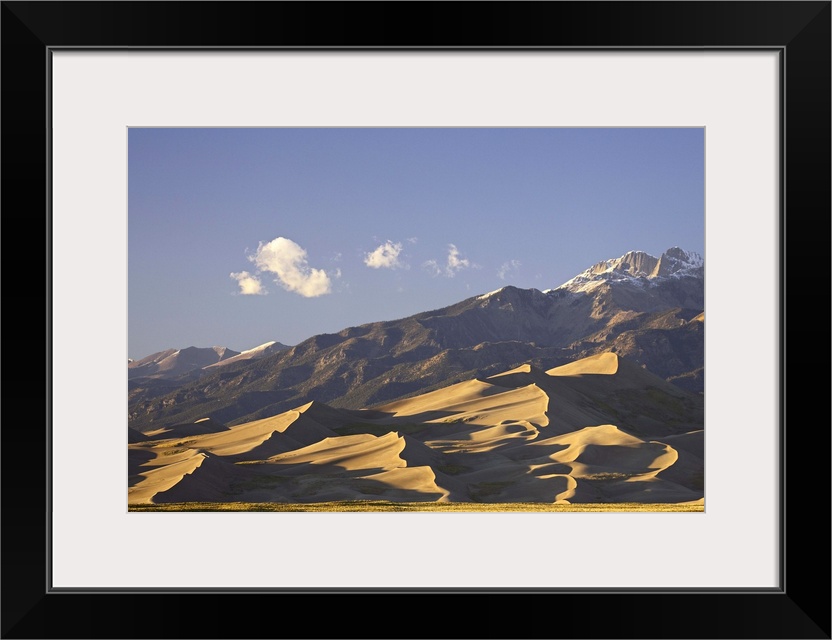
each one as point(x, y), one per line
point(241, 236)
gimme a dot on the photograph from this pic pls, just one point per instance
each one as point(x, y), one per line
point(412, 298)
point(428, 319)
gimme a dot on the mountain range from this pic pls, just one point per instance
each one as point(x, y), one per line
point(172, 364)
point(648, 310)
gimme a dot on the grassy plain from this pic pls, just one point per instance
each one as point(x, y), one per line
point(385, 506)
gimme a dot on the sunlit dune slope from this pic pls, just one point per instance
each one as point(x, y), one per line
point(603, 364)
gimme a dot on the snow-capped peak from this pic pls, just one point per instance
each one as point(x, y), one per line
point(485, 296)
point(635, 266)
point(261, 347)
point(676, 259)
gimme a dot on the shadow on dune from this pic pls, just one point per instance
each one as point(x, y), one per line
point(135, 459)
point(299, 483)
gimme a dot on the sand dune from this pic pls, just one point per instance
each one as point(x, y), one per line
point(361, 451)
point(596, 430)
point(200, 427)
point(603, 364)
point(162, 477)
point(475, 403)
point(441, 402)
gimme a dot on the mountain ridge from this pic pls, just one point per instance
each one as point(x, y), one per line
point(172, 363)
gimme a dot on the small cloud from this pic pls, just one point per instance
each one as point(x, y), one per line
point(413, 240)
point(287, 260)
point(249, 285)
point(432, 266)
point(385, 256)
point(453, 265)
point(507, 267)
point(337, 257)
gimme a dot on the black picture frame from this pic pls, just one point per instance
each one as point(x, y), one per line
point(799, 31)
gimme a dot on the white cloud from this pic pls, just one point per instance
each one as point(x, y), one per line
point(249, 285)
point(287, 260)
point(507, 267)
point(413, 240)
point(384, 256)
point(454, 264)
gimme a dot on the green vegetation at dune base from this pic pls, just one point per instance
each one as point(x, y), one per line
point(386, 506)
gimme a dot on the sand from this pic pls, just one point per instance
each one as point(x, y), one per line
point(597, 430)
